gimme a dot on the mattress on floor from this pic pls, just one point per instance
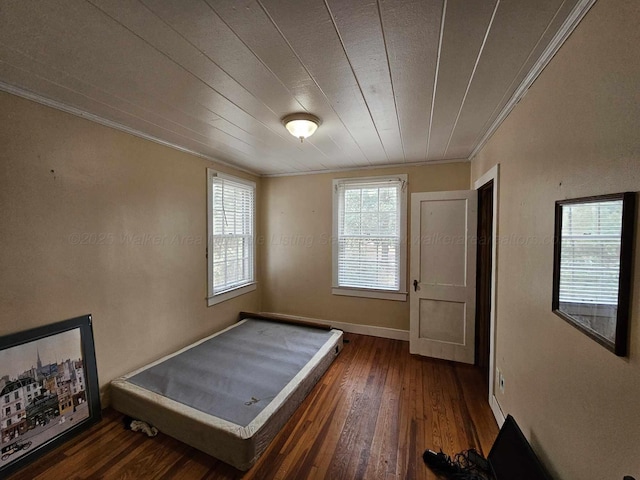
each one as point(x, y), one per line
point(230, 393)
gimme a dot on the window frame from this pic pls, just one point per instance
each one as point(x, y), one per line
point(214, 299)
point(397, 295)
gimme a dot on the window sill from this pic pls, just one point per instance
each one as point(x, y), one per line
point(379, 294)
point(228, 295)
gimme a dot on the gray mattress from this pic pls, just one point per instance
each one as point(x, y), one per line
point(229, 394)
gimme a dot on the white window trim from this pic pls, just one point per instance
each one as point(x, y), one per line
point(241, 289)
point(396, 295)
point(370, 293)
point(229, 294)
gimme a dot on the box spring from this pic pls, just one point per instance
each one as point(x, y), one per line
point(203, 394)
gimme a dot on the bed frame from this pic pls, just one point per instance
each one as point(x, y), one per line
point(155, 393)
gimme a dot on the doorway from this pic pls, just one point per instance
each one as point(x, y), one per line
point(487, 280)
point(484, 264)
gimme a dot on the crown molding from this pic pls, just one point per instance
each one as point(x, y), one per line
point(567, 28)
point(35, 97)
point(367, 167)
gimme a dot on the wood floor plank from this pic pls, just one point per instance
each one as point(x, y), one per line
point(370, 417)
point(386, 436)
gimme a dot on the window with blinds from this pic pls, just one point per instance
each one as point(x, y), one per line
point(231, 255)
point(369, 218)
point(590, 255)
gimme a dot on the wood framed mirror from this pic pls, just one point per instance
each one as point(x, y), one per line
point(592, 267)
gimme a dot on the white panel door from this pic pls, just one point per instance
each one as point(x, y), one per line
point(443, 274)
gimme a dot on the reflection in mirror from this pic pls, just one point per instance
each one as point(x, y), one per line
point(592, 266)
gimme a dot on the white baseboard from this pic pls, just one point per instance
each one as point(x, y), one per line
point(497, 411)
point(383, 332)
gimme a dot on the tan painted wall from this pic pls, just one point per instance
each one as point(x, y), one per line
point(297, 245)
point(576, 133)
point(98, 221)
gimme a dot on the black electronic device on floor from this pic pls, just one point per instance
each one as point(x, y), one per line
point(511, 457)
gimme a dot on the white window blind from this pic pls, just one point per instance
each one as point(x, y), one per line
point(232, 258)
point(369, 234)
point(590, 255)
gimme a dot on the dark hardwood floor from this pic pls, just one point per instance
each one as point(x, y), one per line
point(370, 417)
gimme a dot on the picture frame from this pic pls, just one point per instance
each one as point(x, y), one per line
point(592, 266)
point(48, 389)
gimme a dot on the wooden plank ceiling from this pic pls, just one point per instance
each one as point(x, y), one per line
point(394, 81)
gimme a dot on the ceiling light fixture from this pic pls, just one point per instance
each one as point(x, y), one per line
point(301, 125)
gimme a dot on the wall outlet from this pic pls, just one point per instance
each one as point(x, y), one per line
point(501, 381)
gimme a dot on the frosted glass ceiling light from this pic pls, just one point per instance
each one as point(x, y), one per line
point(301, 125)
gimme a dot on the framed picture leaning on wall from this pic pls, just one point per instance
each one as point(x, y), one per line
point(48, 389)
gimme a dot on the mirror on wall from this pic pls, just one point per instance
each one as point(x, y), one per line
point(592, 266)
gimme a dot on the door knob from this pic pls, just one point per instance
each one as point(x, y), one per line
point(415, 285)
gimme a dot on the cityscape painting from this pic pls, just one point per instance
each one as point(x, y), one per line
point(48, 389)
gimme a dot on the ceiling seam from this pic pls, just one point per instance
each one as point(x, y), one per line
point(497, 107)
point(179, 65)
point(393, 90)
point(473, 72)
point(568, 26)
point(207, 85)
point(176, 63)
point(35, 97)
point(274, 76)
point(122, 98)
point(257, 58)
point(436, 74)
point(346, 55)
point(53, 82)
point(273, 22)
point(198, 79)
point(208, 58)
